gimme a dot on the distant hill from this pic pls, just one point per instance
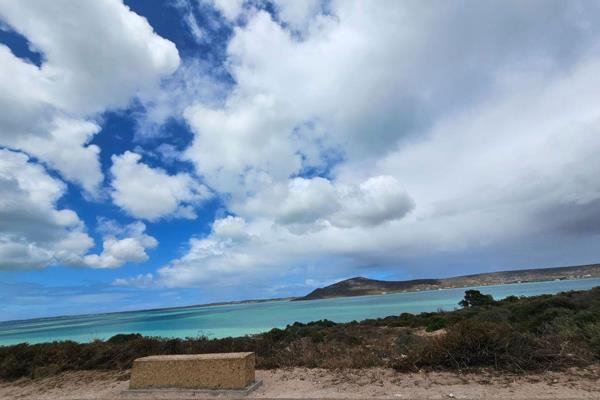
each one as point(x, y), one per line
point(360, 286)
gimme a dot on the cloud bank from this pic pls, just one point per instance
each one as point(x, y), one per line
point(335, 138)
point(434, 136)
point(94, 57)
point(35, 232)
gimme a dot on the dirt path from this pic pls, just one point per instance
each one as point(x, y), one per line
point(317, 383)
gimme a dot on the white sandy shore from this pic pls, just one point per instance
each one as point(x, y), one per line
point(318, 383)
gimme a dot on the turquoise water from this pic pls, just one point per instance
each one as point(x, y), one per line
point(242, 319)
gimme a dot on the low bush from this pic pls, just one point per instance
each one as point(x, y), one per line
point(474, 298)
point(435, 324)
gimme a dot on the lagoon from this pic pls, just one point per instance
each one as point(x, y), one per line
point(243, 319)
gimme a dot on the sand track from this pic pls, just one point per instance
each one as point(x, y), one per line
point(318, 383)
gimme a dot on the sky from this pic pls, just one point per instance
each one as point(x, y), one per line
point(168, 153)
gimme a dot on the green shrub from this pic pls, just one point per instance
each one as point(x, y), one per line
point(474, 298)
point(592, 335)
point(123, 338)
point(435, 324)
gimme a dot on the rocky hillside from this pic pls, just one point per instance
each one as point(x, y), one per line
point(360, 286)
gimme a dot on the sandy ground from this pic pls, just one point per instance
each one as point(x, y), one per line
point(317, 383)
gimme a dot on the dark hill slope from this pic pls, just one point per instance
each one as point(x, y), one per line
point(360, 286)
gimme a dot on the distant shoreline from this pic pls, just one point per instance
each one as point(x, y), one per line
point(587, 271)
point(259, 301)
point(512, 334)
point(361, 286)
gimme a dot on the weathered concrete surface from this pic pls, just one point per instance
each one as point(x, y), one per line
point(183, 394)
point(194, 371)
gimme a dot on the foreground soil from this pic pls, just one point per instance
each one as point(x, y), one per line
point(575, 383)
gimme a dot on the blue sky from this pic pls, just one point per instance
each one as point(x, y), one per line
point(157, 154)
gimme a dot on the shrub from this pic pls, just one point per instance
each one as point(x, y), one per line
point(123, 338)
point(436, 324)
point(474, 298)
point(592, 333)
point(474, 343)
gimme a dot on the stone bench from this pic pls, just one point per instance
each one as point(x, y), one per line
point(221, 371)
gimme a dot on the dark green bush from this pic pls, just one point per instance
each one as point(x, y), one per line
point(474, 298)
point(436, 324)
point(123, 338)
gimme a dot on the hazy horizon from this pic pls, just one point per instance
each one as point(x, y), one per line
point(373, 301)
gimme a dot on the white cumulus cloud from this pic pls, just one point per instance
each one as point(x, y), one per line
point(297, 13)
point(230, 227)
point(151, 193)
point(397, 135)
point(95, 56)
point(304, 201)
point(117, 250)
point(230, 9)
point(36, 233)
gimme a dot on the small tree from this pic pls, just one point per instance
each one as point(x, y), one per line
point(474, 298)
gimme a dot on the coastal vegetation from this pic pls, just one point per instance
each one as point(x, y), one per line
point(547, 332)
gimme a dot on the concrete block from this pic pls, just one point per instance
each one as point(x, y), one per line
point(194, 371)
point(182, 394)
